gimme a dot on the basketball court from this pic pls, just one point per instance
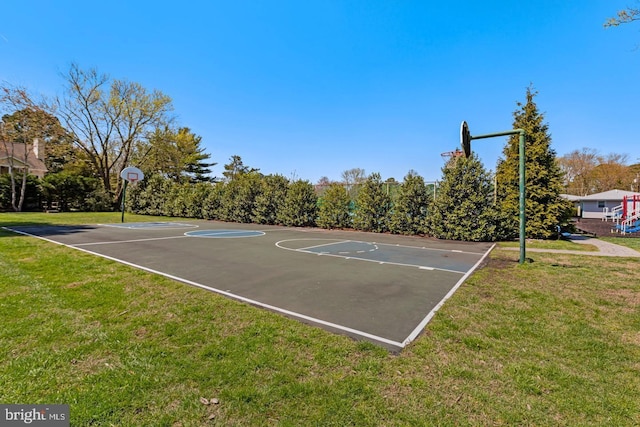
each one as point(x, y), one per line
point(377, 287)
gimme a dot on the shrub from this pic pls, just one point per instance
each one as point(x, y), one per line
point(372, 206)
point(334, 211)
point(410, 209)
point(300, 205)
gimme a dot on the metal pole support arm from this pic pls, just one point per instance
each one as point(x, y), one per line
point(522, 172)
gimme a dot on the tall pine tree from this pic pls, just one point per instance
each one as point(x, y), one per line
point(464, 209)
point(410, 207)
point(373, 205)
point(544, 207)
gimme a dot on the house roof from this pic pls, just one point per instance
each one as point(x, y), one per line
point(570, 197)
point(35, 164)
point(610, 195)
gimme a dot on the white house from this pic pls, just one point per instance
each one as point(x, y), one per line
point(603, 205)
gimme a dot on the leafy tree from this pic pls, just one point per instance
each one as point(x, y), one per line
point(334, 209)
point(372, 206)
point(213, 202)
point(236, 168)
point(35, 122)
point(463, 209)
point(300, 205)
point(148, 197)
point(31, 198)
point(270, 199)
point(411, 206)
point(545, 209)
point(195, 197)
point(239, 197)
point(176, 154)
point(69, 190)
point(108, 118)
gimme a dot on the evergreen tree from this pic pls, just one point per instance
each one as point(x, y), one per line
point(300, 205)
point(175, 154)
point(239, 197)
point(372, 206)
point(544, 207)
point(148, 197)
point(463, 209)
point(411, 206)
point(334, 210)
point(236, 168)
point(270, 199)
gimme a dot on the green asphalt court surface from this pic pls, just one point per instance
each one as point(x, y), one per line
point(377, 287)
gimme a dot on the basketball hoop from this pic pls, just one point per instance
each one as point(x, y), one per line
point(132, 177)
point(132, 174)
point(452, 154)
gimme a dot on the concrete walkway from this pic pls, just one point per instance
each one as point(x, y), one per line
point(604, 248)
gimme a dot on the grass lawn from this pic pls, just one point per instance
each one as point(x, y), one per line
point(628, 242)
point(552, 244)
point(554, 342)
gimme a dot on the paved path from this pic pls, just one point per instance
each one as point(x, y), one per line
point(604, 248)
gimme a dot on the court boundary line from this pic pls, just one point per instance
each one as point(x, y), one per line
point(182, 226)
point(127, 241)
point(418, 329)
point(355, 257)
point(337, 241)
point(224, 233)
point(457, 251)
point(225, 293)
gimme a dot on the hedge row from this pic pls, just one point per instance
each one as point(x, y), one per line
point(272, 199)
point(249, 198)
point(69, 191)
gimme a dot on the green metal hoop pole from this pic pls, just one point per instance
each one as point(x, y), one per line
point(124, 195)
point(522, 173)
point(523, 218)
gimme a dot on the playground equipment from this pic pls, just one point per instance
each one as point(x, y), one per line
point(627, 215)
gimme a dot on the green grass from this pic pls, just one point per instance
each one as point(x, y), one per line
point(633, 243)
point(552, 244)
point(554, 342)
point(74, 218)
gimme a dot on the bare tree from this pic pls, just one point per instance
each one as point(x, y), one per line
point(107, 118)
point(587, 172)
point(611, 173)
point(624, 16)
point(18, 130)
point(352, 178)
point(577, 167)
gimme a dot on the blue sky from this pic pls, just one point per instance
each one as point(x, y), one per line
point(312, 88)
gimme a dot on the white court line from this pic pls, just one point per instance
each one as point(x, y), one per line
point(422, 267)
point(224, 234)
point(430, 249)
point(127, 241)
point(132, 226)
point(337, 242)
point(453, 290)
point(228, 294)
